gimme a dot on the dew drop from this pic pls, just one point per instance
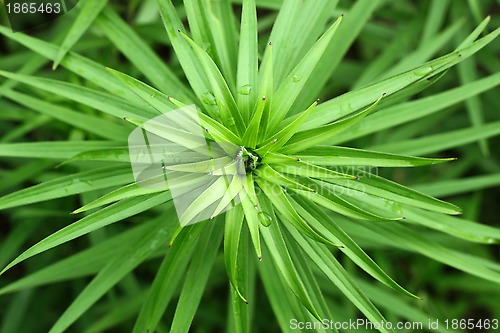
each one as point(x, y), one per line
point(265, 219)
point(245, 90)
point(422, 71)
point(296, 78)
point(208, 98)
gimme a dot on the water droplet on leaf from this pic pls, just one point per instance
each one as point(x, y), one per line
point(296, 78)
point(265, 219)
point(245, 90)
point(209, 98)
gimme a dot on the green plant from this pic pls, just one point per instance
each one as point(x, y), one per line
point(298, 191)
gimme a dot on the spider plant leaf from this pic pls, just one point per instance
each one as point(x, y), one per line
point(305, 139)
point(305, 270)
point(169, 274)
point(353, 23)
point(354, 100)
point(302, 35)
point(378, 186)
point(84, 67)
point(248, 62)
point(279, 139)
point(327, 263)
point(474, 34)
point(112, 273)
point(320, 220)
point(68, 185)
point(411, 242)
point(98, 126)
point(189, 61)
point(294, 166)
point(251, 135)
point(101, 101)
point(199, 25)
point(225, 31)
point(270, 175)
point(196, 280)
point(424, 51)
point(330, 200)
point(412, 110)
point(289, 90)
point(83, 263)
point(223, 97)
point(232, 241)
point(398, 47)
point(251, 216)
point(140, 53)
point(459, 185)
point(285, 304)
point(114, 213)
point(128, 191)
point(458, 227)
point(266, 87)
point(89, 10)
point(439, 142)
point(112, 154)
point(281, 201)
point(279, 252)
point(280, 35)
point(202, 203)
point(158, 100)
point(52, 149)
point(334, 156)
point(234, 188)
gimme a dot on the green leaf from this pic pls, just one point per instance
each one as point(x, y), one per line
point(223, 97)
point(101, 101)
point(249, 202)
point(289, 90)
point(251, 136)
point(439, 142)
point(352, 24)
point(84, 67)
point(169, 275)
point(102, 128)
point(378, 186)
point(247, 73)
point(113, 272)
point(279, 139)
point(320, 220)
point(282, 203)
point(413, 110)
point(59, 150)
point(102, 218)
point(232, 240)
point(327, 263)
point(140, 53)
point(89, 10)
point(266, 87)
point(355, 100)
point(83, 263)
point(335, 156)
point(68, 185)
point(197, 276)
point(278, 250)
point(328, 198)
point(305, 139)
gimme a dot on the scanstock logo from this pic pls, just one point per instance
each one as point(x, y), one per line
point(25, 15)
point(175, 152)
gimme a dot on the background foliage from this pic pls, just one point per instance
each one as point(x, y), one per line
point(450, 263)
